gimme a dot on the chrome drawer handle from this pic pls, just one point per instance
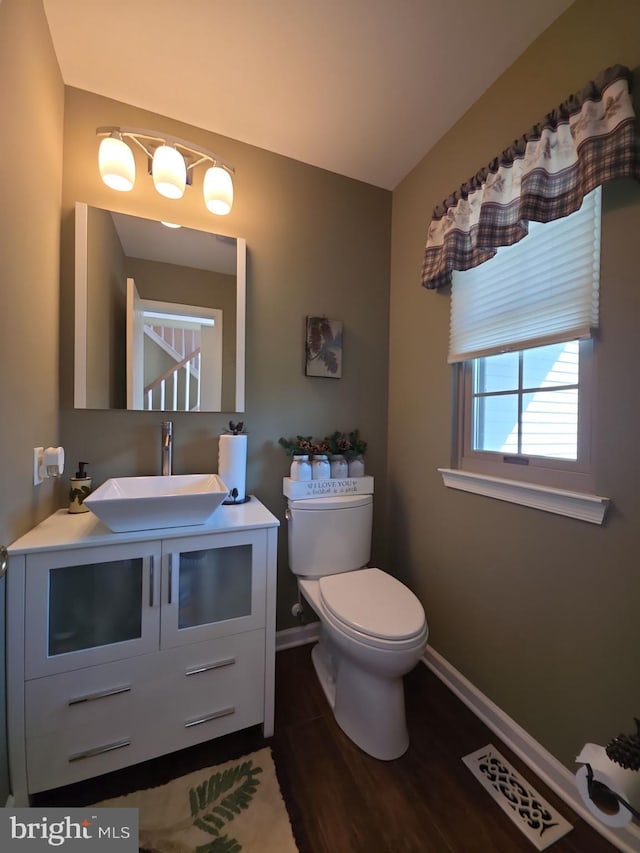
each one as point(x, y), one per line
point(99, 750)
point(91, 697)
point(223, 712)
point(208, 666)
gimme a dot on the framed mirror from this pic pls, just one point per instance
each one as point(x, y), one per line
point(159, 315)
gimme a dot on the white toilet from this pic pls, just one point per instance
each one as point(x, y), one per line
point(373, 628)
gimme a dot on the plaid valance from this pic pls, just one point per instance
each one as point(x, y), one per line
point(588, 140)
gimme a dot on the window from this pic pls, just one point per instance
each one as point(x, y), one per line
point(521, 338)
point(521, 414)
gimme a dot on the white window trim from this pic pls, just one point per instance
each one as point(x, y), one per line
point(585, 507)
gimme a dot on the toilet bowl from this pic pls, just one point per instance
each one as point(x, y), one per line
point(372, 628)
point(373, 631)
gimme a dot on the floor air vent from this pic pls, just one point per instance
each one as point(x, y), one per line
point(541, 823)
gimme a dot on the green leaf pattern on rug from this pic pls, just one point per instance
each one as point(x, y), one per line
point(214, 803)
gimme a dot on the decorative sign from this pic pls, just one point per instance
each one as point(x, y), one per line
point(297, 490)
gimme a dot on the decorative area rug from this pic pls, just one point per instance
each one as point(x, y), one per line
point(235, 807)
point(539, 821)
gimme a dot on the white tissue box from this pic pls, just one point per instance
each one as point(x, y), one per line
point(299, 490)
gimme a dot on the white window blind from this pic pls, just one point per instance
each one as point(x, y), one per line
point(541, 290)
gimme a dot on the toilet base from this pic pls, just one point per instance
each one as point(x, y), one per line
point(325, 677)
point(369, 710)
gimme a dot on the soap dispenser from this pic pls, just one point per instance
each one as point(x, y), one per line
point(80, 488)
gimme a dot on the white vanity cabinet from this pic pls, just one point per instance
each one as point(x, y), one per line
point(122, 647)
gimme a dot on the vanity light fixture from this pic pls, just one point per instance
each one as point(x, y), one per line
point(218, 190)
point(116, 163)
point(171, 164)
point(169, 171)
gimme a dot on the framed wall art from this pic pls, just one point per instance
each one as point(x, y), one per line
point(323, 349)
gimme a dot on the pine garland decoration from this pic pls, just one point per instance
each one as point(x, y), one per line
point(625, 749)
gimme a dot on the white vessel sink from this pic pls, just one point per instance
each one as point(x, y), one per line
point(147, 503)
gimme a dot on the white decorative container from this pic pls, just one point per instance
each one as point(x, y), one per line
point(339, 467)
point(320, 468)
point(301, 469)
point(356, 467)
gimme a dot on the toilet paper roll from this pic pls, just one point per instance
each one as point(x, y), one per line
point(232, 463)
point(614, 779)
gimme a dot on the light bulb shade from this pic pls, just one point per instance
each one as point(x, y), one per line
point(169, 171)
point(218, 190)
point(116, 164)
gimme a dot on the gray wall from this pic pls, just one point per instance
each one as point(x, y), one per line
point(317, 243)
point(31, 106)
point(540, 612)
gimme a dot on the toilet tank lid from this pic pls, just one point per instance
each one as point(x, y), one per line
point(331, 502)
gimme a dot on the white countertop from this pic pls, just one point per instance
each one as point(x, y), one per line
point(69, 530)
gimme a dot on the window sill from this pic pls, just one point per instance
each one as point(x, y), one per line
point(585, 507)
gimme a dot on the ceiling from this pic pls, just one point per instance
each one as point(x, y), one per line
point(363, 88)
point(183, 247)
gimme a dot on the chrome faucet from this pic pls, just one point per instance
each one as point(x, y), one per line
point(167, 448)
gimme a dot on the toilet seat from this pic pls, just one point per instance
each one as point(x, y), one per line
point(359, 638)
point(373, 607)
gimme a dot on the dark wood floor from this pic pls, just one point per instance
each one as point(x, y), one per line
point(343, 801)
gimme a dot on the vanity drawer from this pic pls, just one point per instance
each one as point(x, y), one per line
point(96, 696)
point(63, 757)
point(174, 684)
point(132, 711)
point(217, 693)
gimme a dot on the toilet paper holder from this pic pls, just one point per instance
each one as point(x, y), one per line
point(234, 500)
point(602, 796)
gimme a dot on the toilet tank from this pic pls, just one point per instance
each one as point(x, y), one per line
point(329, 535)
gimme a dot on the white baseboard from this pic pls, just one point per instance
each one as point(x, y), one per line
point(541, 762)
point(298, 636)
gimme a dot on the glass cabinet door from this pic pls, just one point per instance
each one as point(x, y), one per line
point(94, 605)
point(90, 606)
point(215, 590)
